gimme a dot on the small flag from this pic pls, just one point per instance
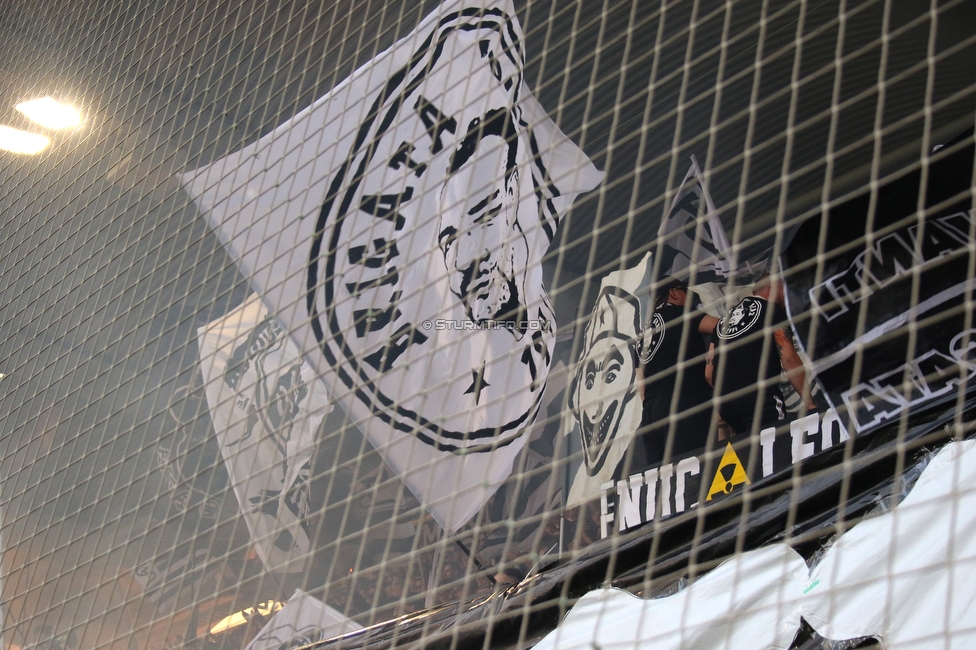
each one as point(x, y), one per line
point(266, 404)
point(693, 246)
point(603, 396)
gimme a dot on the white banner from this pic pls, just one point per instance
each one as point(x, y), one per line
point(266, 405)
point(397, 227)
point(302, 622)
point(747, 603)
point(604, 397)
point(908, 576)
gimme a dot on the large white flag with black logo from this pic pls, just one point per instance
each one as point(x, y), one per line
point(694, 247)
point(302, 622)
point(266, 404)
point(397, 226)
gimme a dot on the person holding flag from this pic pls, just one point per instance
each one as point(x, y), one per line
point(672, 351)
point(747, 367)
point(693, 253)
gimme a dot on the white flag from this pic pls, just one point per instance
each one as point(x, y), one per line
point(694, 248)
point(266, 405)
point(908, 576)
point(746, 603)
point(303, 621)
point(397, 227)
point(603, 397)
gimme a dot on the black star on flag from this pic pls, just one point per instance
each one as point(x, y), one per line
point(478, 383)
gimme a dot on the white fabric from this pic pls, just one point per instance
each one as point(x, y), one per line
point(303, 620)
point(908, 576)
point(386, 264)
point(608, 400)
point(266, 405)
point(746, 603)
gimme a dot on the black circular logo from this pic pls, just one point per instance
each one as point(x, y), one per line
point(422, 287)
point(740, 319)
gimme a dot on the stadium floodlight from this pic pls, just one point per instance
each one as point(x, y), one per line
point(50, 113)
point(17, 141)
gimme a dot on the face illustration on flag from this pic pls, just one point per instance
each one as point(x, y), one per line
point(605, 383)
point(266, 405)
point(484, 245)
point(398, 227)
point(603, 397)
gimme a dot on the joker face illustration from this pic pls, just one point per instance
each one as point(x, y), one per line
point(484, 246)
point(605, 385)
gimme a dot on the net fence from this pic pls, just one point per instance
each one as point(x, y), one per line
point(487, 323)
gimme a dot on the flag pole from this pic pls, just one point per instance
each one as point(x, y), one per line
point(477, 563)
point(435, 561)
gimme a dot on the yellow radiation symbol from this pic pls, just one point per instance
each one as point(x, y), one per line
point(730, 474)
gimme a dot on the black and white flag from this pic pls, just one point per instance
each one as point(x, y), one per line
point(397, 227)
point(604, 397)
point(692, 242)
point(302, 622)
point(266, 404)
point(887, 323)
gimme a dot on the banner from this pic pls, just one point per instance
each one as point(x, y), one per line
point(678, 548)
point(669, 489)
point(743, 604)
point(266, 404)
point(904, 577)
point(302, 622)
point(910, 284)
point(397, 227)
point(907, 576)
point(604, 397)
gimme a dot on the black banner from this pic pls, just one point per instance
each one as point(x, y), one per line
point(674, 488)
point(808, 508)
point(886, 322)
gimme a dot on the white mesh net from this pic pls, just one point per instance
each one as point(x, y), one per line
point(446, 324)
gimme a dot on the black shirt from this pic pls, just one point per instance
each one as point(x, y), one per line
point(740, 339)
point(660, 353)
